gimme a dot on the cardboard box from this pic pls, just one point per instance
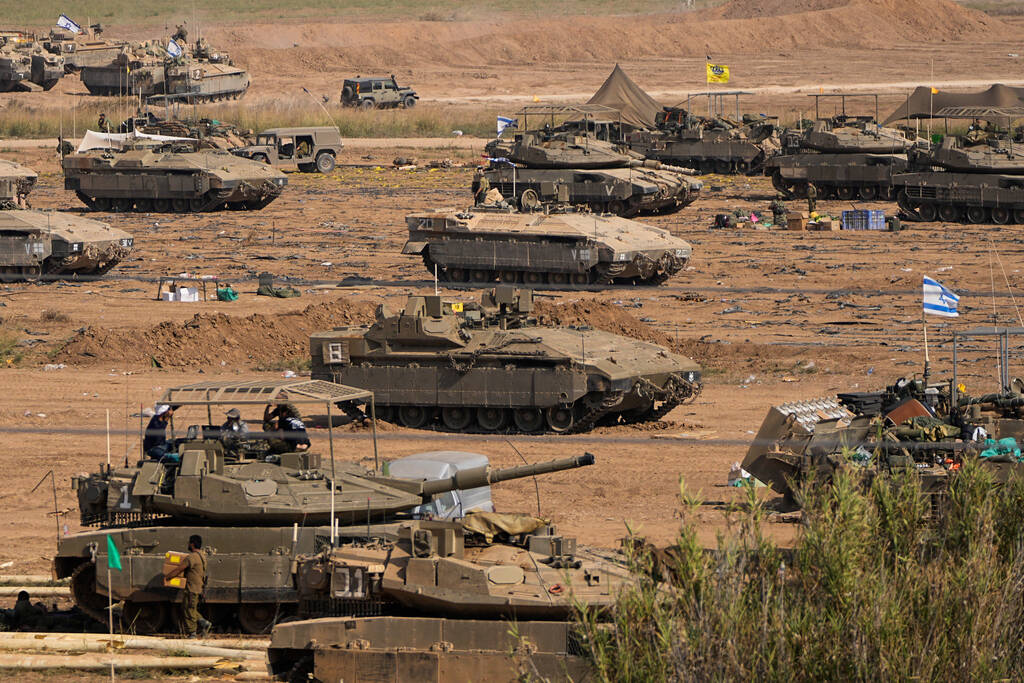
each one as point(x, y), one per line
point(172, 561)
point(796, 223)
point(168, 296)
point(826, 225)
point(188, 294)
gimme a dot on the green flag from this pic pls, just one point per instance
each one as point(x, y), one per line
point(113, 557)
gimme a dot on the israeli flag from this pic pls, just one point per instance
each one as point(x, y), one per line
point(173, 49)
point(65, 23)
point(938, 300)
point(499, 160)
point(505, 122)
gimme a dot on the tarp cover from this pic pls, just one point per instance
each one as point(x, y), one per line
point(96, 140)
point(922, 103)
point(490, 524)
point(619, 92)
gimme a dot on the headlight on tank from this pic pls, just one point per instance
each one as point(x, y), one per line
point(623, 256)
point(76, 246)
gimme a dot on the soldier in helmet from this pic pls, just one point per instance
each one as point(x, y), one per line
point(812, 198)
point(481, 186)
point(779, 211)
point(102, 123)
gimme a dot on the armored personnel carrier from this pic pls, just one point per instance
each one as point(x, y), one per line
point(16, 181)
point(164, 176)
point(978, 181)
point(138, 69)
point(267, 517)
point(557, 248)
point(45, 245)
point(82, 50)
point(710, 144)
point(599, 173)
point(491, 368)
point(25, 65)
point(205, 76)
point(844, 157)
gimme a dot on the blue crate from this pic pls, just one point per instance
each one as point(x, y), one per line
point(864, 219)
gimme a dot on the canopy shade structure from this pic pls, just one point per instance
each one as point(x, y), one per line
point(923, 104)
point(635, 106)
point(263, 391)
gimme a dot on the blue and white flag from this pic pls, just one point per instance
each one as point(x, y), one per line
point(173, 49)
point(505, 122)
point(65, 23)
point(938, 300)
point(499, 160)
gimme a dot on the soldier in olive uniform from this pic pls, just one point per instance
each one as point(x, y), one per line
point(779, 211)
point(812, 198)
point(194, 569)
point(481, 186)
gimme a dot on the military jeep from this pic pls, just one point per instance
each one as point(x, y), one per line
point(377, 93)
point(310, 149)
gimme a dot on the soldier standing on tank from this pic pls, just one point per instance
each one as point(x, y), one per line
point(285, 423)
point(481, 186)
point(102, 123)
point(779, 211)
point(154, 441)
point(812, 198)
point(194, 569)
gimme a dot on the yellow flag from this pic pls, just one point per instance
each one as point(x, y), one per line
point(536, 99)
point(935, 91)
point(718, 73)
point(457, 307)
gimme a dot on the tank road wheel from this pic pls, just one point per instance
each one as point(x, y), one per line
point(492, 419)
point(868, 192)
point(723, 167)
point(83, 590)
point(162, 205)
point(977, 214)
point(929, 212)
point(179, 205)
point(385, 413)
point(456, 274)
point(325, 162)
point(1018, 215)
point(949, 213)
point(529, 201)
point(143, 205)
point(528, 419)
point(559, 278)
point(508, 276)
point(415, 417)
point(145, 617)
point(257, 617)
point(844, 192)
point(196, 204)
point(457, 418)
point(101, 204)
point(1001, 215)
point(478, 275)
point(560, 419)
point(617, 207)
point(581, 278)
point(122, 205)
point(531, 277)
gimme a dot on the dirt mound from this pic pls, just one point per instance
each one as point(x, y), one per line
point(601, 316)
point(209, 339)
point(741, 26)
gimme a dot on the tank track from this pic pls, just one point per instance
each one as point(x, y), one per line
point(84, 593)
point(602, 274)
point(679, 392)
point(212, 201)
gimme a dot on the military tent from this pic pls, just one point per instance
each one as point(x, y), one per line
point(923, 104)
point(619, 92)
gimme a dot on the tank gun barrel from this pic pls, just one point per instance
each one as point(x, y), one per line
point(484, 476)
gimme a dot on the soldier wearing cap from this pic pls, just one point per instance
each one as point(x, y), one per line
point(234, 426)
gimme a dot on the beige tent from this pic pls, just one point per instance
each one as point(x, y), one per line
point(619, 92)
point(923, 104)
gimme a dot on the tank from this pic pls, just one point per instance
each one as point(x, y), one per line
point(82, 50)
point(15, 67)
point(138, 69)
point(604, 176)
point(976, 181)
point(259, 515)
point(710, 144)
point(167, 176)
point(48, 245)
point(556, 248)
point(491, 368)
point(844, 157)
point(16, 182)
point(206, 76)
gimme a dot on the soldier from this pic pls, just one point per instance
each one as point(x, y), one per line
point(233, 427)
point(304, 149)
point(102, 123)
point(779, 211)
point(194, 569)
point(812, 198)
point(154, 442)
point(480, 186)
point(285, 423)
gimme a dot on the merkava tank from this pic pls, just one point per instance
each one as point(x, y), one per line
point(134, 172)
point(599, 173)
point(206, 75)
point(138, 69)
point(25, 65)
point(84, 49)
point(16, 182)
point(709, 144)
point(263, 515)
point(491, 368)
point(15, 65)
point(557, 248)
point(973, 178)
